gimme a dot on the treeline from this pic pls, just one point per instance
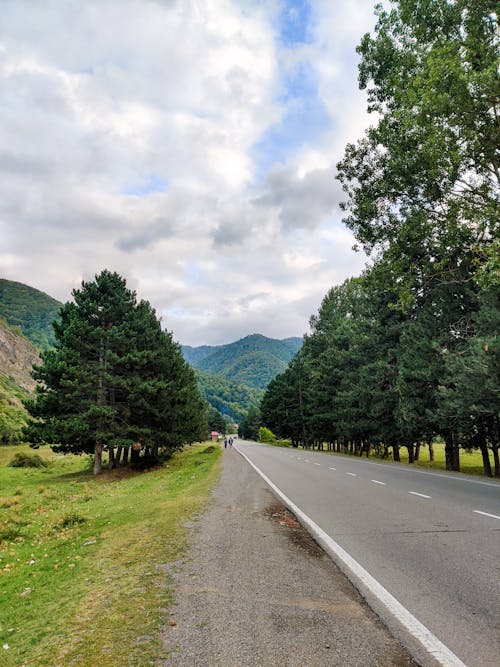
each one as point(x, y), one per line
point(410, 350)
point(114, 381)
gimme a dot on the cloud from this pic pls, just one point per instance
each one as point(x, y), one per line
point(188, 145)
point(301, 201)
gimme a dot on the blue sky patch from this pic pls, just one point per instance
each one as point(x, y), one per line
point(294, 22)
point(305, 122)
point(144, 186)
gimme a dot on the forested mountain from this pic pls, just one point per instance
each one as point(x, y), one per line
point(227, 397)
point(31, 310)
point(253, 361)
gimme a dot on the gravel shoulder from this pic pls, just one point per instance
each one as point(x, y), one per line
point(256, 591)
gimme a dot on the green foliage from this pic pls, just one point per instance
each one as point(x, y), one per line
point(251, 361)
point(249, 426)
point(24, 460)
point(30, 310)
point(216, 421)
point(13, 416)
point(266, 435)
point(227, 397)
point(113, 379)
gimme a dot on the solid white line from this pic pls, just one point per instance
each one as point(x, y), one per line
point(431, 643)
point(353, 474)
point(332, 468)
point(422, 495)
point(493, 516)
point(375, 481)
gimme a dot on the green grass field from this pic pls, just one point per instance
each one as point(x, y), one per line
point(84, 561)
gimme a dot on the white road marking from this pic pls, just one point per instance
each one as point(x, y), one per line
point(317, 464)
point(430, 642)
point(493, 516)
point(353, 474)
point(404, 468)
point(422, 495)
point(332, 468)
point(375, 481)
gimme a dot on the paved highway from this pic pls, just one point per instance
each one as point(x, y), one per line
point(432, 540)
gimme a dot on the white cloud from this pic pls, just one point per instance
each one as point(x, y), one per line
point(127, 136)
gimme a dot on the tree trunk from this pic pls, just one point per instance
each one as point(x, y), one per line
point(417, 451)
point(431, 450)
point(125, 455)
point(448, 451)
point(395, 453)
point(118, 456)
point(496, 459)
point(112, 462)
point(455, 453)
point(97, 458)
point(411, 453)
point(486, 459)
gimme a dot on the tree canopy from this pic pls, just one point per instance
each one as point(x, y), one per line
point(114, 380)
point(410, 350)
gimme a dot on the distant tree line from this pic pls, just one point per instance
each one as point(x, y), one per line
point(410, 350)
point(114, 381)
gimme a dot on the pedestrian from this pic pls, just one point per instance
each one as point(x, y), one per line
point(225, 443)
point(230, 442)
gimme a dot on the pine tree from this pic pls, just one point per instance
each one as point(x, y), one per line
point(113, 379)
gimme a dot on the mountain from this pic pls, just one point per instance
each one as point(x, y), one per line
point(17, 356)
point(31, 310)
point(227, 397)
point(252, 361)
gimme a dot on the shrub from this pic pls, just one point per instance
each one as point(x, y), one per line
point(23, 460)
point(266, 435)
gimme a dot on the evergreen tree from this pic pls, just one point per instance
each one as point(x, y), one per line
point(113, 379)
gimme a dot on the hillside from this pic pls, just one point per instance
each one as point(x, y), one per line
point(227, 397)
point(17, 356)
point(31, 310)
point(252, 361)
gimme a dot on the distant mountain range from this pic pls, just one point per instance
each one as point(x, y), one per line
point(252, 361)
point(231, 377)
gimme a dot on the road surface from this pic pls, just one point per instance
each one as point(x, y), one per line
point(254, 590)
point(432, 540)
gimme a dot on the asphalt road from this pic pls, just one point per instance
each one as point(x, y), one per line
point(431, 539)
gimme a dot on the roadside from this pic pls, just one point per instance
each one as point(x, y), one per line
point(256, 590)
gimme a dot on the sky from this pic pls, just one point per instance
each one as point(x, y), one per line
point(189, 145)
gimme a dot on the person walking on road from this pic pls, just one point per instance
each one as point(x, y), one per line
point(225, 443)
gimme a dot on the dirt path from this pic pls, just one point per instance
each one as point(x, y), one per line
point(256, 591)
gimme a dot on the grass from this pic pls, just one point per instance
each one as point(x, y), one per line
point(84, 561)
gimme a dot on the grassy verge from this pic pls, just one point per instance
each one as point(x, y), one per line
point(84, 561)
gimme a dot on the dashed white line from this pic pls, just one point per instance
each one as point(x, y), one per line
point(352, 474)
point(493, 516)
point(317, 464)
point(332, 468)
point(416, 493)
point(439, 651)
point(375, 481)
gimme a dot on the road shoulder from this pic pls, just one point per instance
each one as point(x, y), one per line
point(256, 590)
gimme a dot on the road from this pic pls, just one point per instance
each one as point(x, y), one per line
point(432, 540)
